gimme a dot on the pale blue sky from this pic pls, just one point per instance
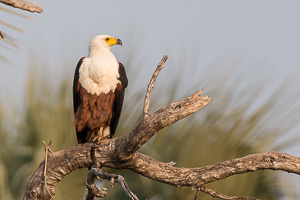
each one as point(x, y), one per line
point(253, 41)
point(253, 31)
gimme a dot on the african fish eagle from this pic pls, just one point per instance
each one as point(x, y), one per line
point(98, 91)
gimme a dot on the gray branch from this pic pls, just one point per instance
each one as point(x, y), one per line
point(151, 85)
point(94, 191)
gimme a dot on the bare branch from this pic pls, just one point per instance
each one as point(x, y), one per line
point(97, 173)
point(223, 196)
point(121, 180)
point(165, 116)
point(24, 5)
point(72, 158)
point(47, 150)
point(197, 177)
point(93, 190)
point(151, 84)
point(196, 195)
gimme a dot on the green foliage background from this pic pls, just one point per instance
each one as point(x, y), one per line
point(218, 132)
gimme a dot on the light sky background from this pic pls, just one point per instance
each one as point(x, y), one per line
point(257, 41)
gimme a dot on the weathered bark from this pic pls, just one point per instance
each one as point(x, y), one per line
point(72, 158)
point(24, 5)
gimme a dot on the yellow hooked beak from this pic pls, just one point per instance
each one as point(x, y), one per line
point(113, 41)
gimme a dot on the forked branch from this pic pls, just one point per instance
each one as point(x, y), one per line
point(93, 191)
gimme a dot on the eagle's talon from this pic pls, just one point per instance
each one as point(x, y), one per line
point(97, 139)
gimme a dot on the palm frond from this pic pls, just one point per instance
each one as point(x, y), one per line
point(15, 13)
point(6, 41)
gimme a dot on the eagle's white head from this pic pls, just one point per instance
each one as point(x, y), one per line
point(102, 43)
point(99, 72)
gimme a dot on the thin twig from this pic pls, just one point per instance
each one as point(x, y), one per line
point(223, 196)
point(1, 35)
point(47, 149)
point(121, 180)
point(47, 146)
point(151, 84)
point(24, 5)
point(196, 195)
point(94, 191)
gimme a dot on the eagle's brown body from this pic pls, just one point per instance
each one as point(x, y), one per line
point(95, 114)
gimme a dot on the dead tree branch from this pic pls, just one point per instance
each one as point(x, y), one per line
point(24, 5)
point(93, 191)
point(223, 196)
point(122, 153)
point(47, 150)
point(151, 84)
point(65, 161)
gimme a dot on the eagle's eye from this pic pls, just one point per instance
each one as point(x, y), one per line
point(106, 39)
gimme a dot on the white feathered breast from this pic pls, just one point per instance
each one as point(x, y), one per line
point(100, 73)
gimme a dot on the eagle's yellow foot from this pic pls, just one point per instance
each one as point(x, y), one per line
point(97, 139)
point(99, 136)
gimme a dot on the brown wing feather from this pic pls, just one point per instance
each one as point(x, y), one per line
point(118, 101)
point(77, 101)
point(76, 96)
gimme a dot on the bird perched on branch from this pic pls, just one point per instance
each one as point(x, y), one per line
point(98, 91)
